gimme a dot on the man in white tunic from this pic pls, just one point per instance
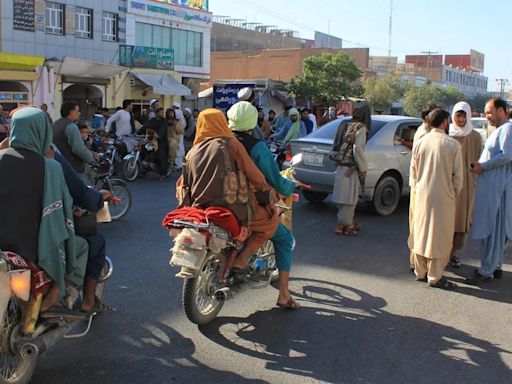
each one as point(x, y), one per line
point(436, 176)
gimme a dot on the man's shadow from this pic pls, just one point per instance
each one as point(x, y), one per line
point(342, 334)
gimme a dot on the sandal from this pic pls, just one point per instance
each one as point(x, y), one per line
point(290, 304)
point(58, 311)
point(443, 283)
point(99, 307)
point(350, 231)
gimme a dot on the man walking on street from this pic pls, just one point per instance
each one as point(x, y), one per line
point(471, 147)
point(436, 176)
point(493, 211)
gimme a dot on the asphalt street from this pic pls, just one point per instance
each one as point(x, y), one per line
point(364, 318)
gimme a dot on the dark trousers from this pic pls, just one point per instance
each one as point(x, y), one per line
point(163, 157)
point(97, 253)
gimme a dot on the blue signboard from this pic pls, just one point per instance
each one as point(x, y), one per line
point(225, 95)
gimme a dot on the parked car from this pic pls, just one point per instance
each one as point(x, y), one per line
point(388, 161)
point(481, 125)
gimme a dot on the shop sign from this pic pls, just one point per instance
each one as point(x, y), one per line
point(146, 57)
point(177, 12)
point(225, 95)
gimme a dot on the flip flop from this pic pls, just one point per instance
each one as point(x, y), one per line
point(290, 304)
point(100, 307)
point(443, 283)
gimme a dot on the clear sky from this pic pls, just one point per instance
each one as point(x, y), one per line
point(443, 26)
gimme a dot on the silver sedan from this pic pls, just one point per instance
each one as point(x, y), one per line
point(388, 155)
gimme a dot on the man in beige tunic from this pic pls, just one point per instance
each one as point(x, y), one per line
point(436, 176)
point(422, 130)
point(471, 147)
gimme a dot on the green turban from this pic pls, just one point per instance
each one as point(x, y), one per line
point(293, 111)
point(243, 116)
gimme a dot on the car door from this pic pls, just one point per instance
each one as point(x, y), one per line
point(403, 139)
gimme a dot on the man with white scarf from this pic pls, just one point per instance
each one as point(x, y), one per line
point(470, 142)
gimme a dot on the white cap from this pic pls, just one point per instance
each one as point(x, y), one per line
point(188, 110)
point(176, 104)
point(153, 101)
point(245, 93)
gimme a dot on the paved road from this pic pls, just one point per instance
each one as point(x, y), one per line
point(364, 318)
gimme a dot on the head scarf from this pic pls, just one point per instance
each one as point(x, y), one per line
point(212, 123)
point(243, 116)
point(294, 131)
point(455, 130)
point(361, 113)
point(31, 130)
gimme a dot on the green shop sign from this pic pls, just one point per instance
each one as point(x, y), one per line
point(146, 57)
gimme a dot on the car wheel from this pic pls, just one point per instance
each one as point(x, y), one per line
point(315, 197)
point(386, 196)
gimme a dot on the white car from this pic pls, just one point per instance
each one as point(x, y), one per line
point(388, 161)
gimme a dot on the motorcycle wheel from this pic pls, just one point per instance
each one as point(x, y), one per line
point(105, 274)
point(120, 191)
point(198, 302)
point(268, 250)
point(13, 368)
point(130, 169)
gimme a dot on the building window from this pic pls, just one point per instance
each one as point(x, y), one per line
point(187, 45)
point(110, 26)
point(83, 24)
point(55, 18)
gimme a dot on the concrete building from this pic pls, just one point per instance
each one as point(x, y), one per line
point(167, 50)
point(59, 32)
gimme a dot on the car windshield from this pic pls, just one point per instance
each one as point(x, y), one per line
point(328, 131)
point(479, 123)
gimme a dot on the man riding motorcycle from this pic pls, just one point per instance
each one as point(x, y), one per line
point(204, 182)
point(242, 118)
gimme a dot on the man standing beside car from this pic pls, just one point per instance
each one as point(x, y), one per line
point(436, 176)
point(492, 210)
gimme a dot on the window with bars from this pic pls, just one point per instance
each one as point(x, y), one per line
point(55, 18)
point(110, 26)
point(83, 23)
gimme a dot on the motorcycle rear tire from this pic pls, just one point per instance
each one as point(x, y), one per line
point(119, 186)
point(192, 288)
point(21, 370)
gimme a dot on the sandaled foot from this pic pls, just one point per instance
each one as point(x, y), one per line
point(443, 283)
point(290, 304)
point(350, 231)
point(455, 262)
point(59, 311)
point(339, 229)
point(99, 307)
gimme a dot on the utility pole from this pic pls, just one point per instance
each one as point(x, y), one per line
point(428, 53)
point(502, 83)
point(390, 28)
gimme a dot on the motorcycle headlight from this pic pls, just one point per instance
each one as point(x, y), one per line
point(20, 283)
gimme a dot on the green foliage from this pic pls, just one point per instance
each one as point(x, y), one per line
point(326, 79)
point(416, 98)
point(384, 91)
point(478, 103)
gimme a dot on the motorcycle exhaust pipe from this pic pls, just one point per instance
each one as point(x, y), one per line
point(227, 293)
point(33, 348)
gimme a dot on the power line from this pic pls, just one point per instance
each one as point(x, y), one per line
point(502, 83)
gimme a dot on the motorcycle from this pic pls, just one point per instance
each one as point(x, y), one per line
point(121, 195)
point(278, 151)
point(24, 335)
point(205, 252)
point(141, 160)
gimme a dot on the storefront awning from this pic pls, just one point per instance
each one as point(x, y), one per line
point(206, 93)
point(17, 62)
point(73, 67)
point(163, 84)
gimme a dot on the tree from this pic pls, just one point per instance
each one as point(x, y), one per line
point(326, 79)
point(384, 91)
point(478, 103)
point(417, 98)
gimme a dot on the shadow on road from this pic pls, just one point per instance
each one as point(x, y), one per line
point(342, 335)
